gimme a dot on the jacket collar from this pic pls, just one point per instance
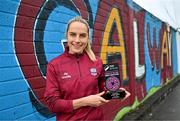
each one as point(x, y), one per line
point(72, 55)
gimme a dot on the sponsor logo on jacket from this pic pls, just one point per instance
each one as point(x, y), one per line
point(65, 75)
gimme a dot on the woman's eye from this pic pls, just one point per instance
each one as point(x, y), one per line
point(72, 34)
point(83, 35)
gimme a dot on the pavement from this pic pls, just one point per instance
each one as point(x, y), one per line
point(168, 109)
point(163, 105)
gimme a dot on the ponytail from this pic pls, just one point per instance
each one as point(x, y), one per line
point(90, 52)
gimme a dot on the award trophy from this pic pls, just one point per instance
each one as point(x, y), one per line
point(112, 82)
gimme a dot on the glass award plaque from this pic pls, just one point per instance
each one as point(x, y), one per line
point(112, 82)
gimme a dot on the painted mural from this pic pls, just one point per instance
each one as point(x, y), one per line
point(32, 32)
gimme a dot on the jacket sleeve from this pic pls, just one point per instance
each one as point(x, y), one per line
point(52, 93)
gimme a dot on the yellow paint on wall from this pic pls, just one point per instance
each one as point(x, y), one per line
point(164, 50)
point(114, 17)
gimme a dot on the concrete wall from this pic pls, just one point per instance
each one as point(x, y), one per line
point(31, 34)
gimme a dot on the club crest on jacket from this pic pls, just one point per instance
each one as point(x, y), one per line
point(93, 71)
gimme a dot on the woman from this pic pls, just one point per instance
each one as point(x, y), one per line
point(75, 79)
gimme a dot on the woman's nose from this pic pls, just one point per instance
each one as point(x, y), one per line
point(77, 39)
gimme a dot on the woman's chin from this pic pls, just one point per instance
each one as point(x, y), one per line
point(76, 52)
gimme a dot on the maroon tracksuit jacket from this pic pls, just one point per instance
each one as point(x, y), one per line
point(71, 77)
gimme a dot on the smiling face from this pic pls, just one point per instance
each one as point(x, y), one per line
point(77, 37)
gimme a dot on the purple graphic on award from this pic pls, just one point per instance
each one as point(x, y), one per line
point(112, 83)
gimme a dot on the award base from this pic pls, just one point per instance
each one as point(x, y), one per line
point(119, 94)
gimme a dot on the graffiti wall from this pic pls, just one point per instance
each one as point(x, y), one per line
point(32, 32)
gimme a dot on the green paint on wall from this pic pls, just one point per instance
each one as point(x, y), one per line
point(136, 103)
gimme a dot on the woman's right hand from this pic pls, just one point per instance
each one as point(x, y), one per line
point(95, 100)
point(91, 100)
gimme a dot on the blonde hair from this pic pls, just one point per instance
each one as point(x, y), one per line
point(88, 47)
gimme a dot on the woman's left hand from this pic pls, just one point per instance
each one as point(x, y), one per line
point(127, 93)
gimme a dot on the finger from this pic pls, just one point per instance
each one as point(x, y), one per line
point(103, 100)
point(121, 88)
point(100, 94)
point(127, 93)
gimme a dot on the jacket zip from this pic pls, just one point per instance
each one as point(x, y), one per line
point(78, 66)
